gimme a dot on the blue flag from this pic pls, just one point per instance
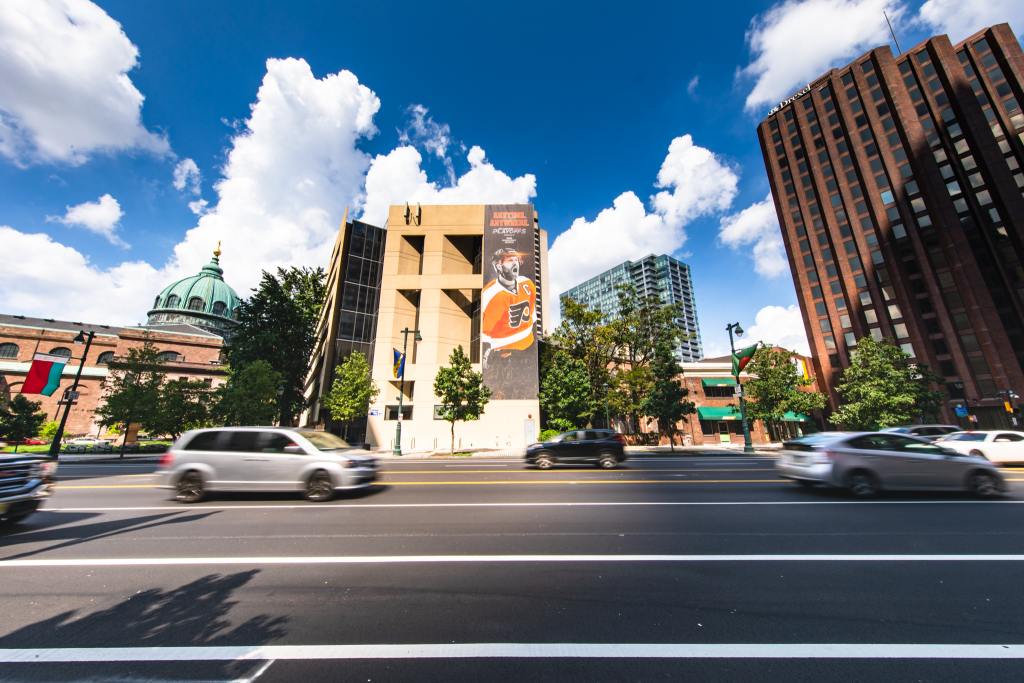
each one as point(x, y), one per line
point(398, 364)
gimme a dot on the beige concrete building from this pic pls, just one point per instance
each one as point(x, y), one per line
point(473, 276)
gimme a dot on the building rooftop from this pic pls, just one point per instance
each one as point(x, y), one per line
point(110, 330)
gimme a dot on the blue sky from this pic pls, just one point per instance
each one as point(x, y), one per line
point(580, 108)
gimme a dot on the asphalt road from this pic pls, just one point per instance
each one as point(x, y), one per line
point(699, 566)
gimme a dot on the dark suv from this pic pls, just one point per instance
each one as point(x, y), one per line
point(600, 447)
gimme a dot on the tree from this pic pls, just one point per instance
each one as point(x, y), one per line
point(461, 390)
point(184, 404)
point(565, 394)
point(666, 400)
point(19, 419)
point(277, 324)
point(250, 396)
point(776, 388)
point(584, 335)
point(353, 389)
point(882, 388)
point(133, 389)
point(48, 430)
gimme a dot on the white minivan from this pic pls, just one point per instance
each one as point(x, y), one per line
point(264, 459)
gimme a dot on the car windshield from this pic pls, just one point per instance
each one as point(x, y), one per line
point(818, 439)
point(896, 430)
point(964, 436)
point(325, 441)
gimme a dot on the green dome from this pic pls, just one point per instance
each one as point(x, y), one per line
point(203, 300)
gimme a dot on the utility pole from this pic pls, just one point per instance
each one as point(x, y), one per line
point(748, 446)
point(401, 391)
point(72, 393)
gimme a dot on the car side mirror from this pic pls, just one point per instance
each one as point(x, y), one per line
point(294, 450)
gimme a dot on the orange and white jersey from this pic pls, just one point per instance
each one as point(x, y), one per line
point(508, 316)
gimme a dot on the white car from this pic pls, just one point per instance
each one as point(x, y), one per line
point(87, 441)
point(1001, 446)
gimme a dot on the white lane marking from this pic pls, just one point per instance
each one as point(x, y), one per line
point(556, 504)
point(519, 650)
point(485, 559)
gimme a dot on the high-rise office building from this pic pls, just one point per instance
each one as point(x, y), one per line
point(661, 276)
point(897, 181)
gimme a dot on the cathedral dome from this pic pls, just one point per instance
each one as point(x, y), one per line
point(203, 300)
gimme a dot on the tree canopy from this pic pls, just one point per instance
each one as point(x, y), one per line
point(250, 396)
point(565, 394)
point(666, 400)
point(133, 388)
point(184, 404)
point(882, 388)
point(20, 419)
point(352, 391)
point(461, 391)
point(777, 388)
point(277, 325)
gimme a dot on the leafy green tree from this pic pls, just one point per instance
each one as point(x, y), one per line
point(353, 389)
point(277, 324)
point(777, 388)
point(882, 388)
point(19, 419)
point(48, 430)
point(565, 394)
point(461, 391)
point(584, 335)
point(666, 400)
point(133, 389)
point(250, 396)
point(184, 404)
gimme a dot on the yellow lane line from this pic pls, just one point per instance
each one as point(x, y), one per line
point(596, 471)
point(61, 487)
point(503, 482)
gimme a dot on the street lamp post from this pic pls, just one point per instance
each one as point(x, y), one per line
point(401, 391)
point(72, 393)
point(748, 446)
point(607, 418)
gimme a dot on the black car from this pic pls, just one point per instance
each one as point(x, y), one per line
point(601, 447)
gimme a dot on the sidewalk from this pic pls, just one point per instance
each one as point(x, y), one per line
point(111, 458)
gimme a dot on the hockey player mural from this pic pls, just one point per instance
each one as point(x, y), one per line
point(508, 303)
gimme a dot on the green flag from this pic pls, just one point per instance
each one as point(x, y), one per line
point(741, 358)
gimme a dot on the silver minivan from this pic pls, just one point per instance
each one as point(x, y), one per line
point(264, 459)
point(866, 463)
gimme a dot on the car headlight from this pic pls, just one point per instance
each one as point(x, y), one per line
point(347, 464)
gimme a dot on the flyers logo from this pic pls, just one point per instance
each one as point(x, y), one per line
point(517, 313)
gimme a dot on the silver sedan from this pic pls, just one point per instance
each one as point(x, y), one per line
point(868, 462)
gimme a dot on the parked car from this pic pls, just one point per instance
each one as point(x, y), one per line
point(264, 459)
point(929, 432)
point(87, 441)
point(25, 482)
point(998, 445)
point(32, 441)
point(604, 448)
point(868, 462)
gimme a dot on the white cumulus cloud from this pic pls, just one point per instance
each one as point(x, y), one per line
point(397, 177)
point(693, 181)
point(779, 326)
point(100, 217)
point(188, 180)
point(757, 226)
point(64, 86)
point(961, 18)
point(796, 41)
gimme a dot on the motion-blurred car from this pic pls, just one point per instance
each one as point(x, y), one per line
point(25, 481)
point(264, 459)
point(28, 442)
point(998, 445)
point(929, 432)
point(604, 448)
point(868, 462)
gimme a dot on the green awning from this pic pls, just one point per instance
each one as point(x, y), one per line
point(790, 416)
point(723, 413)
point(718, 382)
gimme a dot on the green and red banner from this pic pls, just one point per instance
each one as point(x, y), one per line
point(742, 357)
point(44, 375)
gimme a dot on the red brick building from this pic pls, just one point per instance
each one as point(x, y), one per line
point(189, 352)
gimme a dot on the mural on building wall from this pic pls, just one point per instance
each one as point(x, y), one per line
point(508, 303)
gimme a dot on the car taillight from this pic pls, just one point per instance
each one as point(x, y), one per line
point(824, 457)
point(166, 460)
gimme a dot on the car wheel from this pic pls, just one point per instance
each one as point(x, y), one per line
point(862, 484)
point(544, 462)
point(607, 462)
point(189, 488)
point(983, 485)
point(319, 487)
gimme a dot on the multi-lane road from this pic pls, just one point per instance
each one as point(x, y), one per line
point(699, 566)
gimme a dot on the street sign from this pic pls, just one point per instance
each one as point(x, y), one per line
point(374, 412)
point(961, 410)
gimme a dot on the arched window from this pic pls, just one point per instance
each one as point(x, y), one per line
point(195, 304)
point(219, 307)
point(156, 302)
point(8, 350)
point(61, 351)
point(105, 358)
point(169, 356)
point(172, 301)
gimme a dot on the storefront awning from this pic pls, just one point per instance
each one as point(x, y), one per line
point(790, 416)
point(723, 413)
point(718, 382)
